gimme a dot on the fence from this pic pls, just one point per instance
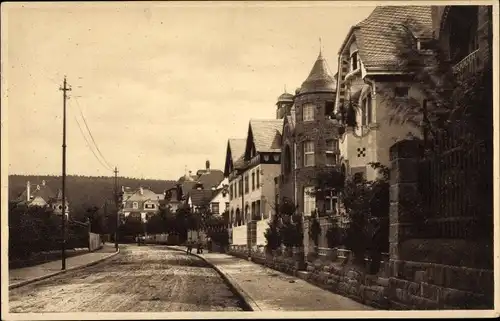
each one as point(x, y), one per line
point(448, 184)
point(95, 241)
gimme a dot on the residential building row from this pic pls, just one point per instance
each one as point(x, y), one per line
point(204, 191)
point(344, 121)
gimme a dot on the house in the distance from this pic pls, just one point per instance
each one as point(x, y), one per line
point(43, 196)
point(140, 203)
point(208, 177)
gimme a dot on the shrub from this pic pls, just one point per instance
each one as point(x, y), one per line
point(315, 230)
point(272, 234)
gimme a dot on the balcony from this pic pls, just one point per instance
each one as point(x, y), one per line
point(467, 66)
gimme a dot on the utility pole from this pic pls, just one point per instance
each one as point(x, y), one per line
point(64, 89)
point(117, 211)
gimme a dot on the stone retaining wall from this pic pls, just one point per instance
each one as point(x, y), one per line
point(419, 286)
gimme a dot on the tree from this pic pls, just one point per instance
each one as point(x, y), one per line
point(272, 234)
point(132, 226)
point(366, 204)
point(291, 230)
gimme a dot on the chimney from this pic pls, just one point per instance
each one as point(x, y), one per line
point(123, 189)
point(43, 182)
point(142, 190)
point(28, 191)
point(207, 165)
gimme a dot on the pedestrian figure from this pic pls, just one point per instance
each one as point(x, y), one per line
point(189, 247)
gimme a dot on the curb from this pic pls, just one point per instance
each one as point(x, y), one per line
point(43, 277)
point(247, 299)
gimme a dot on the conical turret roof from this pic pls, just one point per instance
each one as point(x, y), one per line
point(320, 79)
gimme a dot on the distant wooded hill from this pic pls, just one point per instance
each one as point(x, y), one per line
point(85, 191)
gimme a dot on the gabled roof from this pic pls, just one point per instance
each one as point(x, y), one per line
point(378, 41)
point(265, 135)
point(146, 195)
point(320, 78)
point(201, 197)
point(237, 146)
point(211, 179)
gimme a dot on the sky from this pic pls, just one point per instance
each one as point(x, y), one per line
point(162, 87)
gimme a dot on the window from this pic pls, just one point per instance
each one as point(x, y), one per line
point(227, 206)
point(331, 201)
point(247, 185)
point(308, 112)
point(240, 188)
point(258, 178)
point(354, 61)
point(231, 191)
point(215, 208)
point(358, 177)
point(309, 201)
point(253, 181)
point(149, 206)
point(401, 92)
point(329, 108)
point(135, 205)
point(369, 112)
point(258, 210)
point(331, 149)
point(308, 154)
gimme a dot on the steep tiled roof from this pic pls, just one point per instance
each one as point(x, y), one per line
point(201, 197)
point(320, 78)
point(211, 179)
point(187, 186)
point(378, 41)
point(237, 146)
point(267, 134)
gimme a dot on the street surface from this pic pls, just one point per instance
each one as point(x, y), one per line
point(139, 279)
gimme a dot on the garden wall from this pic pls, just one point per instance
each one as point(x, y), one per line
point(239, 235)
point(95, 242)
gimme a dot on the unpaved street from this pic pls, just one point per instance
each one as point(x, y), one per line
point(139, 279)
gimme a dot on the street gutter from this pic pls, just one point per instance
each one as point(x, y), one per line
point(248, 301)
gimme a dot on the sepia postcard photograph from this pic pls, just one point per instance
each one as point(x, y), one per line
point(249, 159)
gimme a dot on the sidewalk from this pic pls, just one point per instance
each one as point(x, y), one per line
point(271, 290)
point(30, 274)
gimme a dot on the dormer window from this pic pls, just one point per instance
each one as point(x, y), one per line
point(354, 61)
point(135, 205)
